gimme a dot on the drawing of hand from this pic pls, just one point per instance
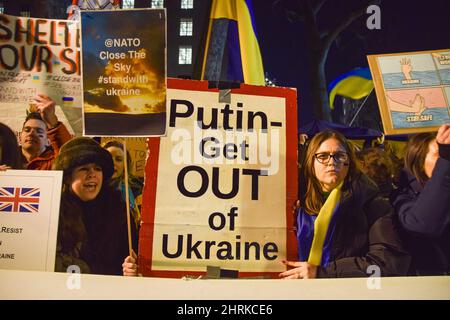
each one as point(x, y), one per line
point(406, 68)
point(418, 104)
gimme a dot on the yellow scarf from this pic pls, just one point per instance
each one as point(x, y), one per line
point(321, 225)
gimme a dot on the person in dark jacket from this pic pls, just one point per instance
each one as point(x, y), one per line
point(92, 232)
point(10, 157)
point(422, 202)
point(344, 228)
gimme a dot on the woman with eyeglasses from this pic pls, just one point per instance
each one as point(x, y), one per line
point(344, 228)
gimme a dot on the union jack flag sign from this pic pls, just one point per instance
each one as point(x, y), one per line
point(17, 199)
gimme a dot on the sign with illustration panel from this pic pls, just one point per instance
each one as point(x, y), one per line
point(413, 90)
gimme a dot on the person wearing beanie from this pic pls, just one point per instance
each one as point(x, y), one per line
point(422, 202)
point(42, 135)
point(92, 231)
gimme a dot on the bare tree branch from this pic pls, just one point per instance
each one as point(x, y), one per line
point(310, 17)
point(318, 6)
point(292, 14)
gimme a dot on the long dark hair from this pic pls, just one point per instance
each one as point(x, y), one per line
point(311, 197)
point(415, 154)
point(10, 154)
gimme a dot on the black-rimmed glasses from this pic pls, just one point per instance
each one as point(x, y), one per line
point(324, 157)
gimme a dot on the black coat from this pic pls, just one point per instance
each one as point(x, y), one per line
point(92, 235)
point(365, 234)
point(424, 214)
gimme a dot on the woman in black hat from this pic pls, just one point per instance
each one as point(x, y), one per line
point(92, 233)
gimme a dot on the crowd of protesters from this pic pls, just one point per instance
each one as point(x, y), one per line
point(92, 230)
point(343, 225)
point(408, 234)
point(355, 209)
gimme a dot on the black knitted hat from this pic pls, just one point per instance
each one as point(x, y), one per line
point(80, 151)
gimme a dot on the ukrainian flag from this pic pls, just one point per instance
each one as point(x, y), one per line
point(67, 101)
point(244, 62)
point(355, 84)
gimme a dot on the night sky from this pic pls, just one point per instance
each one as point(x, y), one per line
point(405, 26)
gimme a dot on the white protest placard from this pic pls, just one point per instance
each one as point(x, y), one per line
point(40, 55)
point(29, 211)
point(220, 187)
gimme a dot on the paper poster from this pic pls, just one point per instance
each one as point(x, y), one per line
point(413, 90)
point(29, 212)
point(124, 72)
point(39, 56)
point(220, 187)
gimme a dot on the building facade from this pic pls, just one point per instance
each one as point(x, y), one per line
point(187, 25)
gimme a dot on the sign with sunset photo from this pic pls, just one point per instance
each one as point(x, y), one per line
point(124, 72)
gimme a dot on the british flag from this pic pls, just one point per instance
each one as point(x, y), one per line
point(19, 199)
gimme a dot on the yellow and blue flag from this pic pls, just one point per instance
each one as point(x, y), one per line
point(234, 20)
point(355, 84)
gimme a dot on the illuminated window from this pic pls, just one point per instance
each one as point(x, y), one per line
point(186, 27)
point(185, 55)
point(157, 3)
point(187, 4)
point(2, 8)
point(128, 4)
point(25, 13)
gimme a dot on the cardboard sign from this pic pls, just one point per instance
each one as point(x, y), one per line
point(40, 56)
point(124, 72)
point(220, 187)
point(29, 211)
point(413, 90)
